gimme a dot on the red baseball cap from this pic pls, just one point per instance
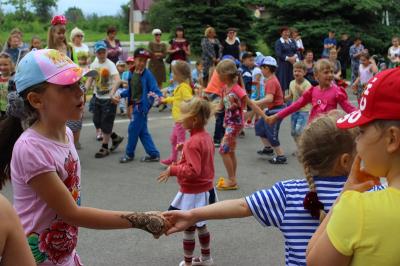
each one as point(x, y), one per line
point(379, 101)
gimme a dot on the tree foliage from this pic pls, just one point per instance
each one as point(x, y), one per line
point(74, 14)
point(43, 9)
point(195, 16)
point(315, 18)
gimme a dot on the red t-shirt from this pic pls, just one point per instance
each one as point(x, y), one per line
point(272, 86)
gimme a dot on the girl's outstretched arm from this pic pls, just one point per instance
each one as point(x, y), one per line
point(180, 220)
point(14, 248)
point(52, 190)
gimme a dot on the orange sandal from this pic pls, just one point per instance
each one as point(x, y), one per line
point(221, 185)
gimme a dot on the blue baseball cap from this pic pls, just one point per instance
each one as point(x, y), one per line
point(99, 46)
point(46, 65)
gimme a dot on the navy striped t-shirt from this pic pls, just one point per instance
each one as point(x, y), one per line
point(282, 206)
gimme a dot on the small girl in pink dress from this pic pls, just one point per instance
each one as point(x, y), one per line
point(323, 98)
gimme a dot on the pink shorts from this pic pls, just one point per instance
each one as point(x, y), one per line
point(228, 143)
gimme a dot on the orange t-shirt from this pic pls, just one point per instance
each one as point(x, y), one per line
point(215, 85)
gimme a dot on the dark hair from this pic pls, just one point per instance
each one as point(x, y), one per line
point(283, 28)
point(271, 68)
point(11, 129)
point(111, 29)
point(247, 55)
point(180, 28)
point(308, 51)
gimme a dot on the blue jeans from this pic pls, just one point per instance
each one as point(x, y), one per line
point(138, 129)
point(298, 122)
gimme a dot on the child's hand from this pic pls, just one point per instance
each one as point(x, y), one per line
point(179, 147)
point(271, 119)
point(164, 176)
point(358, 179)
point(115, 99)
point(153, 222)
point(178, 221)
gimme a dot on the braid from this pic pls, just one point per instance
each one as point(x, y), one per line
point(311, 201)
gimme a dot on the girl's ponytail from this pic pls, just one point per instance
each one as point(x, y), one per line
point(311, 201)
point(10, 130)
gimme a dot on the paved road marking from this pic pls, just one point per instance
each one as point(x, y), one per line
point(121, 121)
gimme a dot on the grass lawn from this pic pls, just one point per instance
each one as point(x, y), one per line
point(90, 36)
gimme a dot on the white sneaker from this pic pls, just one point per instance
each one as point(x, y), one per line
point(199, 262)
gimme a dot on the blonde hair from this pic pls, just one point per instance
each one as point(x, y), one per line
point(323, 64)
point(50, 39)
point(208, 31)
point(320, 146)
point(182, 68)
point(300, 65)
point(76, 31)
point(199, 108)
point(228, 68)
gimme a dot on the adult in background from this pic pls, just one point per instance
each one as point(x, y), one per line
point(343, 53)
point(329, 43)
point(356, 50)
point(179, 48)
point(158, 51)
point(299, 42)
point(286, 53)
point(15, 46)
point(309, 62)
point(211, 52)
point(114, 47)
point(394, 53)
point(231, 44)
point(77, 36)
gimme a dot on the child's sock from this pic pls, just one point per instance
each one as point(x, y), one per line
point(204, 239)
point(105, 146)
point(189, 243)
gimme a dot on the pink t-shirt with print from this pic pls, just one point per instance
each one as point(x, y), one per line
point(52, 241)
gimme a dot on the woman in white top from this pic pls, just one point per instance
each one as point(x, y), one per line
point(77, 37)
point(295, 35)
point(394, 53)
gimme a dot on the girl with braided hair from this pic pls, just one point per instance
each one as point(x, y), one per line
point(295, 206)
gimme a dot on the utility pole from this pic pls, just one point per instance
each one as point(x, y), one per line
point(131, 26)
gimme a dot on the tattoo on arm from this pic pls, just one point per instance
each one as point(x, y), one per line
point(151, 222)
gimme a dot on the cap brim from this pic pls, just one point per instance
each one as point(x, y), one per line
point(354, 119)
point(67, 77)
point(92, 73)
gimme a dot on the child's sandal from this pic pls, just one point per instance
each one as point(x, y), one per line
point(102, 153)
point(221, 185)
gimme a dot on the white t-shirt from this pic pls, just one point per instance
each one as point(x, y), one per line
point(393, 51)
point(105, 79)
point(82, 48)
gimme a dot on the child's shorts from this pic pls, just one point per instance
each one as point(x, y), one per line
point(104, 115)
point(228, 143)
point(298, 123)
point(185, 202)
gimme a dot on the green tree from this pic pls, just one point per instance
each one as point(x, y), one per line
point(43, 8)
point(21, 8)
point(315, 18)
point(195, 16)
point(124, 17)
point(74, 15)
point(160, 16)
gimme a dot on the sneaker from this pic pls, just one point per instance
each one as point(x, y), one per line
point(266, 151)
point(126, 159)
point(247, 125)
point(167, 162)
point(116, 142)
point(162, 107)
point(199, 261)
point(278, 160)
point(150, 159)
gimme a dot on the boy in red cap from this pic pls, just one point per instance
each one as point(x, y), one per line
point(363, 228)
point(141, 93)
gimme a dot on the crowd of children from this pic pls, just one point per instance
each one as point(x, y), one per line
point(325, 217)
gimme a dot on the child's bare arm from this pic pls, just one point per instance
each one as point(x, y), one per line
point(15, 247)
point(227, 209)
point(60, 200)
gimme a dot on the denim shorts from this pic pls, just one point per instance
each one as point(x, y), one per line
point(270, 132)
point(298, 123)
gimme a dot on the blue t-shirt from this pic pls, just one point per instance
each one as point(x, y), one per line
point(282, 206)
point(328, 40)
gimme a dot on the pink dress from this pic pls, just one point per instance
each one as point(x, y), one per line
point(52, 241)
point(322, 101)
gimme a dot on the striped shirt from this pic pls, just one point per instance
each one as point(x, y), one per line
point(282, 206)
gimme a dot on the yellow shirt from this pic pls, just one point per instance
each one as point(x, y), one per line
point(183, 92)
point(296, 94)
point(367, 227)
